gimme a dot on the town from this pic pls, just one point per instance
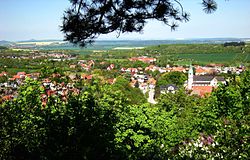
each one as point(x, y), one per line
point(142, 72)
point(124, 80)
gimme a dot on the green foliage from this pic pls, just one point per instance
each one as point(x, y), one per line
point(184, 107)
point(134, 95)
point(177, 78)
point(3, 79)
point(103, 123)
point(155, 74)
point(200, 53)
point(141, 132)
point(20, 121)
point(79, 129)
point(195, 49)
point(180, 54)
point(128, 64)
point(3, 48)
point(232, 106)
point(49, 71)
point(226, 118)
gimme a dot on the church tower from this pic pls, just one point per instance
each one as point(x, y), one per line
point(190, 78)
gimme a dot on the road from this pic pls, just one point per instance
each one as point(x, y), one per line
point(151, 95)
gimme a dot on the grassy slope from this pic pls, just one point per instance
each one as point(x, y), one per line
point(203, 53)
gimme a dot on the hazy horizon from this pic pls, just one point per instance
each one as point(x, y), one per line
point(175, 39)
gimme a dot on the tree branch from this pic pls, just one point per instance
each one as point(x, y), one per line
point(79, 8)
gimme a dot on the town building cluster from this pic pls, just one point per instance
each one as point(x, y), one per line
point(202, 84)
point(201, 79)
point(35, 54)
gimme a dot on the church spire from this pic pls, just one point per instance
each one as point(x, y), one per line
point(190, 77)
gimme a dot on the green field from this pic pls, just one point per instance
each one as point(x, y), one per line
point(218, 58)
point(183, 54)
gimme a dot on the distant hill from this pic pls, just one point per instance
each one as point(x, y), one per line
point(35, 40)
point(3, 48)
point(5, 43)
point(111, 44)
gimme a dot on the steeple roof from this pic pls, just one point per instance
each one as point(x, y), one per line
point(190, 71)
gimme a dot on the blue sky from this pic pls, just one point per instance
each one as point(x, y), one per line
point(40, 19)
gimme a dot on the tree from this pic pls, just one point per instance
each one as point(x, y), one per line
point(134, 95)
point(177, 78)
point(3, 79)
point(86, 20)
point(82, 128)
point(101, 123)
point(145, 132)
point(225, 123)
point(3, 48)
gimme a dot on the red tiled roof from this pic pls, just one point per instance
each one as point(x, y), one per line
point(111, 81)
point(200, 70)
point(50, 92)
point(54, 75)
point(36, 74)
point(46, 80)
point(84, 65)
point(179, 69)
point(151, 66)
point(132, 83)
point(88, 77)
point(21, 73)
point(133, 69)
point(143, 59)
point(3, 74)
point(43, 96)
point(7, 97)
point(12, 79)
point(202, 90)
point(152, 81)
point(72, 66)
point(17, 77)
point(28, 75)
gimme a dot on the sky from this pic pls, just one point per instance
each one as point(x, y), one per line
point(41, 20)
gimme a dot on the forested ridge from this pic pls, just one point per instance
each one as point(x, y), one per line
point(101, 123)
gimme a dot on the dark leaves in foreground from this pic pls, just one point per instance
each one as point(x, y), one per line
point(209, 6)
point(86, 20)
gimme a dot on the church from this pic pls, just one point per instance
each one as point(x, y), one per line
point(202, 84)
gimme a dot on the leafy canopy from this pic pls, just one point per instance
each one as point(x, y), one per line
point(100, 123)
point(177, 78)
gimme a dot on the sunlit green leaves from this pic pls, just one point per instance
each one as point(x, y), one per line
point(101, 123)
